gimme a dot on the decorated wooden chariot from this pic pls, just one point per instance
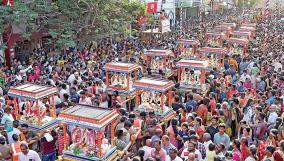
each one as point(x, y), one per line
point(224, 28)
point(38, 105)
point(154, 95)
point(192, 74)
point(214, 56)
point(160, 60)
point(214, 39)
point(241, 35)
point(249, 25)
point(187, 48)
point(120, 76)
point(252, 30)
point(232, 25)
point(92, 133)
point(237, 46)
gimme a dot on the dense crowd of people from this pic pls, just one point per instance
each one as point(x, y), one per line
point(239, 118)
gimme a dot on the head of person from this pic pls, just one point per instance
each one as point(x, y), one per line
point(24, 148)
point(262, 116)
point(193, 138)
point(148, 142)
point(270, 149)
point(258, 109)
point(236, 144)
point(214, 120)
point(191, 146)
point(127, 124)
point(206, 137)
point(253, 150)
point(229, 155)
point(64, 86)
point(174, 122)
point(184, 127)
point(190, 96)
point(197, 121)
point(220, 147)
point(244, 141)
point(16, 123)
point(279, 121)
point(211, 147)
point(25, 128)
point(272, 108)
point(8, 110)
point(165, 140)
point(246, 131)
point(119, 134)
point(83, 95)
point(15, 137)
point(273, 134)
point(157, 145)
point(173, 153)
point(281, 145)
point(143, 115)
point(222, 128)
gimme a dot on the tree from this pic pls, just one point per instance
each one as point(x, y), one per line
point(248, 3)
point(72, 21)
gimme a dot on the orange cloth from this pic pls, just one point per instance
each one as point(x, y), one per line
point(234, 63)
point(202, 112)
point(16, 150)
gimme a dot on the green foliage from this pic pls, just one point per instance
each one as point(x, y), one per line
point(69, 21)
point(248, 3)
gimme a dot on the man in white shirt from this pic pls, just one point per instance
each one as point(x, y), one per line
point(191, 149)
point(63, 91)
point(27, 154)
point(244, 76)
point(173, 155)
point(277, 66)
point(71, 79)
point(207, 140)
point(19, 77)
point(272, 116)
point(24, 71)
point(84, 99)
point(147, 149)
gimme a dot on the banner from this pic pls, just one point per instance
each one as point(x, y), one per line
point(8, 2)
point(166, 26)
point(152, 7)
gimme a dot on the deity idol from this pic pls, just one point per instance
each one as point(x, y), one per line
point(76, 135)
point(34, 111)
point(114, 79)
point(197, 74)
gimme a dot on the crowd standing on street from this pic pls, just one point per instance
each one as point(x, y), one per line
point(239, 119)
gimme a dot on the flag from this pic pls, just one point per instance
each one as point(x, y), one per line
point(8, 2)
point(152, 7)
